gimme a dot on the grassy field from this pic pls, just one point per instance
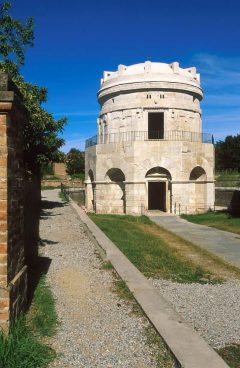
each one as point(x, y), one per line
point(219, 220)
point(158, 253)
point(25, 346)
point(228, 178)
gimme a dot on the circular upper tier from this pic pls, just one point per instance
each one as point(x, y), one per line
point(150, 75)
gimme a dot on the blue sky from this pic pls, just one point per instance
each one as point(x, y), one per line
point(76, 40)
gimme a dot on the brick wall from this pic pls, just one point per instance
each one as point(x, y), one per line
point(13, 268)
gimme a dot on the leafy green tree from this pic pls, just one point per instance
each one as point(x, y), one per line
point(228, 153)
point(14, 37)
point(75, 161)
point(41, 140)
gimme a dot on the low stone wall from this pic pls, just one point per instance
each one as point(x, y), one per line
point(224, 197)
point(57, 183)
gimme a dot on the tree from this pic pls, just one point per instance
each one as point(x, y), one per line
point(14, 36)
point(75, 161)
point(41, 140)
point(228, 153)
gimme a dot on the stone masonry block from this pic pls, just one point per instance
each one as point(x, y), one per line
point(3, 248)
point(3, 216)
point(3, 280)
point(3, 237)
point(2, 119)
point(4, 303)
point(3, 192)
point(3, 161)
point(3, 205)
point(3, 225)
point(3, 172)
point(3, 269)
point(3, 258)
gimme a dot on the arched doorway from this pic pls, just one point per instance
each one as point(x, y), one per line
point(159, 189)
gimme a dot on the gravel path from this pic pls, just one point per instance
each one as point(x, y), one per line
point(213, 310)
point(97, 329)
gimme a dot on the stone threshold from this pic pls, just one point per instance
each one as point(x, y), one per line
point(189, 349)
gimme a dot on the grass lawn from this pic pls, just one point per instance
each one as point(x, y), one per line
point(219, 220)
point(157, 252)
point(228, 178)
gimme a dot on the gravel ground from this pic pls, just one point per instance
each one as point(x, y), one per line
point(213, 310)
point(97, 329)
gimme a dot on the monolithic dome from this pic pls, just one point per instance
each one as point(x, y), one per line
point(150, 152)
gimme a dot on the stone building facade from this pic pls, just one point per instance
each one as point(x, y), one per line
point(150, 152)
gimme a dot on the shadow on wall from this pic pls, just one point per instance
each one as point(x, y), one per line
point(32, 206)
point(234, 208)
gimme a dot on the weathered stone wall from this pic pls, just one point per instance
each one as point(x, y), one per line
point(57, 183)
point(225, 196)
point(182, 157)
point(135, 159)
point(13, 268)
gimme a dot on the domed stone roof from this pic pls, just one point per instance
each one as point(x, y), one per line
point(150, 74)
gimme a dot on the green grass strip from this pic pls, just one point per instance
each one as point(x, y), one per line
point(148, 252)
point(44, 318)
point(219, 220)
point(24, 347)
point(231, 355)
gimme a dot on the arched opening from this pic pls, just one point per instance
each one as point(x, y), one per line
point(115, 174)
point(198, 179)
point(116, 190)
point(159, 172)
point(159, 189)
point(198, 173)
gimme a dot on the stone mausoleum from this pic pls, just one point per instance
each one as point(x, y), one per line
point(150, 152)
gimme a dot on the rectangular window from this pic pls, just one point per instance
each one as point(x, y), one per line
point(155, 125)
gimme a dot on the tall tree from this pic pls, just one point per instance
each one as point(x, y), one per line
point(228, 153)
point(41, 140)
point(75, 161)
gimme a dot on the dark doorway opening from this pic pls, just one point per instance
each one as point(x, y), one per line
point(155, 125)
point(157, 195)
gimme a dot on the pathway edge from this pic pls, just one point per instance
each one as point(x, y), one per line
point(189, 349)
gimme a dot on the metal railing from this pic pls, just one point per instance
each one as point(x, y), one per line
point(131, 136)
